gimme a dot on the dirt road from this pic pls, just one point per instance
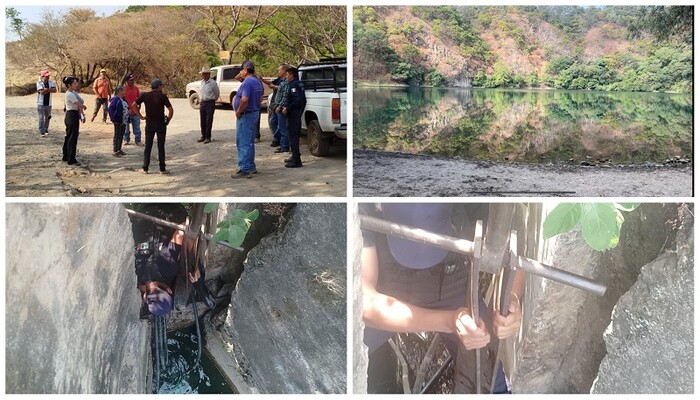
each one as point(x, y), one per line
point(33, 165)
point(378, 173)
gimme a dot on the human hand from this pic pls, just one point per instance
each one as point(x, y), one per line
point(472, 335)
point(504, 327)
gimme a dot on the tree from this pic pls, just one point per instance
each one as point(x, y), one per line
point(227, 26)
point(665, 22)
point(17, 24)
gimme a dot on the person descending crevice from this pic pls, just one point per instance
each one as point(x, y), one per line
point(156, 270)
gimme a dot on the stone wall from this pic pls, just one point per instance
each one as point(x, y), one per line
point(359, 350)
point(71, 301)
point(287, 319)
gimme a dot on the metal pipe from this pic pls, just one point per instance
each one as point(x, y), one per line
point(437, 375)
point(173, 225)
point(446, 242)
point(561, 276)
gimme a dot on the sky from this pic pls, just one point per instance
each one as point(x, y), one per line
point(32, 14)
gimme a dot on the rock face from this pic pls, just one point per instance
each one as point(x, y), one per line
point(287, 319)
point(562, 344)
point(72, 305)
point(359, 351)
point(650, 338)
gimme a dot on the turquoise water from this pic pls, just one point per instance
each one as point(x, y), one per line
point(536, 126)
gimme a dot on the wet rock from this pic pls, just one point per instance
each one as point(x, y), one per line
point(652, 328)
point(287, 319)
point(72, 305)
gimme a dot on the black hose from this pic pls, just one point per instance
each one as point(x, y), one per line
point(156, 348)
point(199, 335)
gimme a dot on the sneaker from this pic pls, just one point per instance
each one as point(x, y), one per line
point(207, 140)
point(139, 144)
point(77, 163)
point(144, 171)
point(125, 143)
point(44, 135)
point(293, 164)
point(164, 172)
point(117, 154)
point(122, 153)
point(200, 140)
point(275, 144)
point(241, 174)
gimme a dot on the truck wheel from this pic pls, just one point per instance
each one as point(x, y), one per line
point(319, 144)
point(194, 101)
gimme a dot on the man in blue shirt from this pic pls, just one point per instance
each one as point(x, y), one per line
point(246, 104)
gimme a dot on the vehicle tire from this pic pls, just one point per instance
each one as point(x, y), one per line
point(194, 101)
point(319, 144)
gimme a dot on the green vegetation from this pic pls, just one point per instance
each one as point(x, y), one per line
point(600, 222)
point(565, 47)
point(234, 229)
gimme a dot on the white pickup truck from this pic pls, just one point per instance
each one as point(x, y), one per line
point(225, 76)
point(325, 116)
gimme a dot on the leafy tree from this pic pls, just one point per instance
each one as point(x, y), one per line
point(665, 22)
point(600, 222)
point(17, 24)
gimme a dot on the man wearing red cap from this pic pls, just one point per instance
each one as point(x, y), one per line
point(44, 89)
point(131, 93)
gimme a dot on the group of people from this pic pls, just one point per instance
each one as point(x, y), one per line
point(287, 105)
point(123, 105)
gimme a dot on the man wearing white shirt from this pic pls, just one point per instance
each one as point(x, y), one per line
point(208, 94)
point(44, 88)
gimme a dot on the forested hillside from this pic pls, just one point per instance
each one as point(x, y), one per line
point(567, 47)
point(172, 43)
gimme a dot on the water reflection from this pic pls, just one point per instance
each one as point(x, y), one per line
point(524, 125)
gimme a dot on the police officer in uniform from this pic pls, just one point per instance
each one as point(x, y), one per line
point(296, 102)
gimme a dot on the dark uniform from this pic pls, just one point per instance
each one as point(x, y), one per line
point(296, 102)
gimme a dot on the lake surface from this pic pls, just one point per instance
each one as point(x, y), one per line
point(536, 126)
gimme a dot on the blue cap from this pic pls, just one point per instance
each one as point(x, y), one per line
point(435, 218)
point(159, 303)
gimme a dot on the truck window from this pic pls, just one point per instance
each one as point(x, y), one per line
point(230, 73)
point(323, 77)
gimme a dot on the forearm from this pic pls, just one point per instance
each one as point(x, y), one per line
point(388, 313)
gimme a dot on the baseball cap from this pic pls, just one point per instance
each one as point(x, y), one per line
point(159, 303)
point(129, 77)
point(156, 83)
point(45, 72)
point(435, 218)
point(102, 70)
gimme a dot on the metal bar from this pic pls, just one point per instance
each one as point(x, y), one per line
point(173, 225)
point(446, 242)
point(437, 374)
point(473, 291)
point(561, 276)
point(467, 247)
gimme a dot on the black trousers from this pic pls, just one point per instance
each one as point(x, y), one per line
point(98, 103)
point(70, 143)
point(153, 129)
point(119, 130)
point(206, 117)
point(294, 125)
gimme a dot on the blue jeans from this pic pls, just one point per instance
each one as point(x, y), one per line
point(274, 125)
point(284, 131)
point(245, 140)
point(136, 122)
point(44, 118)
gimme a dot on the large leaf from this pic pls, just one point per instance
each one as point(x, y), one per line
point(221, 235)
point(223, 224)
point(600, 225)
point(238, 213)
point(626, 206)
point(253, 215)
point(562, 219)
point(236, 234)
point(210, 207)
point(240, 222)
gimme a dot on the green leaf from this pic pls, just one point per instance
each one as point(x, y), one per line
point(240, 222)
point(600, 225)
point(253, 215)
point(626, 206)
point(224, 224)
point(220, 236)
point(238, 213)
point(562, 219)
point(210, 207)
point(236, 234)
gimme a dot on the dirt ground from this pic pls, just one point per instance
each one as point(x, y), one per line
point(33, 165)
point(381, 174)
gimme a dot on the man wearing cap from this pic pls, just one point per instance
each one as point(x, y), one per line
point(247, 107)
point(293, 110)
point(131, 93)
point(156, 270)
point(156, 122)
point(103, 94)
point(44, 88)
point(414, 287)
point(208, 94)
